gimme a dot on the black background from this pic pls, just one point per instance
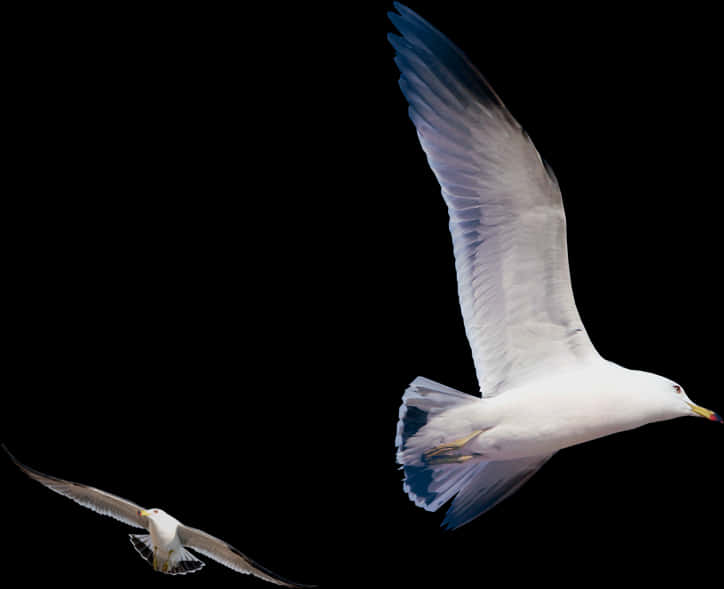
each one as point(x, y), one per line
point(226, 258)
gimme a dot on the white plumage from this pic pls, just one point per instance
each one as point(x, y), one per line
point(543, 384)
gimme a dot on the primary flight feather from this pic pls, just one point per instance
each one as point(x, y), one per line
point(544, 387)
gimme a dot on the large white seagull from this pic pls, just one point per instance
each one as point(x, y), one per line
point(544, 387)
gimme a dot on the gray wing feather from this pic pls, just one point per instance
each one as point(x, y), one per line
point(506, 213)
point(229, 556)
point(488, 484)
point(90, 497)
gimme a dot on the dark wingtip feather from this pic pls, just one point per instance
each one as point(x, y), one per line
point(4, 447)
point(398, 21)
point(410, 15)
point(442, 55)
point(26, 469)
point(395, 40)
point(268, 572)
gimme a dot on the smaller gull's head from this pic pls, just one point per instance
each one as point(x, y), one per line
point(152, 514)
point(159, 518)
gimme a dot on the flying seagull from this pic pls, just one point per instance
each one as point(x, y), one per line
point(164, 547)
point(544, 387)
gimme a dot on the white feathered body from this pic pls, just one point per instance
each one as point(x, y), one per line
point(554, 412)
point(163, 529)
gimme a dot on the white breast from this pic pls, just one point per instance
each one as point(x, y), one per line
point(163, 531)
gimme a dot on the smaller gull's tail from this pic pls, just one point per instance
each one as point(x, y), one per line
point(180, 564)
point(476, 485)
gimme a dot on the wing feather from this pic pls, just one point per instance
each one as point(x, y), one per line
point(229, 556)
point(90, 497)
point(506, 214)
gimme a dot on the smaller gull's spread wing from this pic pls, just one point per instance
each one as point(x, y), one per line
point(90, 497)
point(506, 214)
point(229, 556)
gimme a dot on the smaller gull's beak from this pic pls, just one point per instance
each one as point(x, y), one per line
point(701, 412)
point(143, 513)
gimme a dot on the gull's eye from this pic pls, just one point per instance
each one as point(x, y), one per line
point(156, 510)
point(677, 388)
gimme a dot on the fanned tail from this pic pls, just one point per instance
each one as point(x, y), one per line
point(477, 486)
point(428, 486)
point(142, 544)
point(180, 564)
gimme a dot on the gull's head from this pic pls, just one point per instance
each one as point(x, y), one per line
point(674, 396)
point(158, 518)
point(693, 408)
point(152, 514)
point(656, 398)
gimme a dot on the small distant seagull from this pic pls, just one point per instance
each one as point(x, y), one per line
point(165, 547)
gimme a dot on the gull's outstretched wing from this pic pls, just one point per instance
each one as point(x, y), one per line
point(506, 215)
point(229, 556)
point(95, 499)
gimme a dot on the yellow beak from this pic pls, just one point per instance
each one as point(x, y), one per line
point(144, 513)
point(706, 413)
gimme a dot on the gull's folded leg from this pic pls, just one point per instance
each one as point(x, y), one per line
point(443, 454)
point(167, 564)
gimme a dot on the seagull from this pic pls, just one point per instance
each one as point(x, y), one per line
point(164, 547)
point(543, 385)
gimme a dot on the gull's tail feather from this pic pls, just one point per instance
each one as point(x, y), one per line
point(185, 563)
point(142, 544)
point(423, 401)
point(428, 485)
point(476, 485)
point(180, 564)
